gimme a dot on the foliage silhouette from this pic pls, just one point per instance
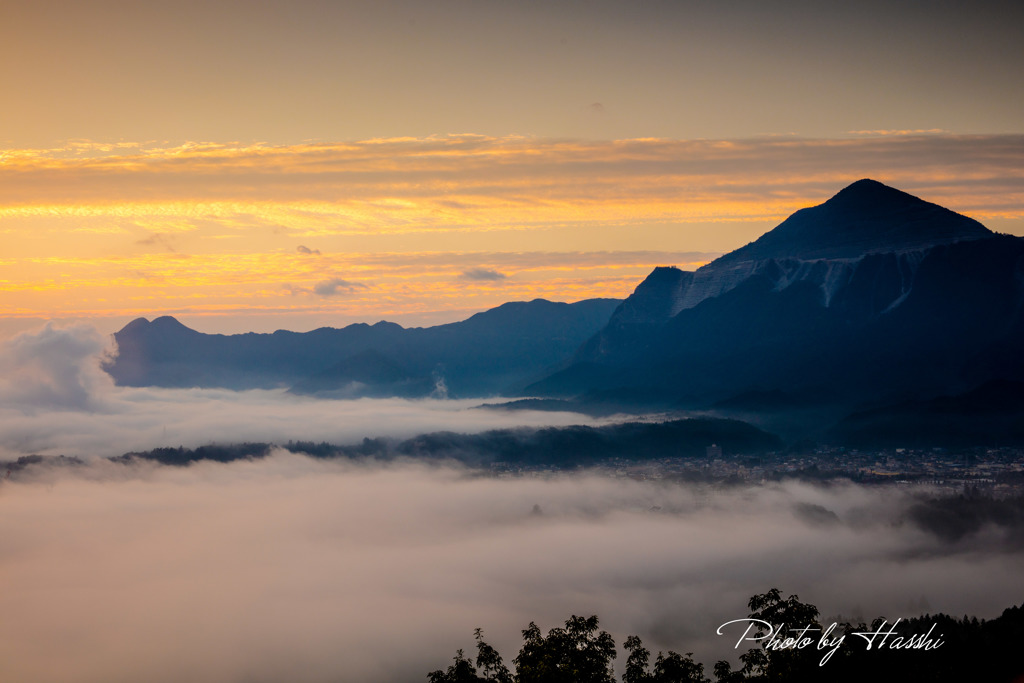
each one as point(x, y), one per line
point(969, 649)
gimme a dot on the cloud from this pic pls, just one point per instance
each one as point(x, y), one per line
point(53, 368)
point(306, 250)
point(157, 239)
point(482, 274)
point(296, 569)
point(917, 131)
point(448, 182)
point(116, 420)
point(336, 287)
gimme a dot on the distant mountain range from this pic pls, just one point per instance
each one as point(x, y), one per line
point(874, 303)
point(495, 352)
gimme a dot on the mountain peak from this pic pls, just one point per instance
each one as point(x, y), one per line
point(866, 186)
point(168, 322)
point(135, 326)
point(870, 196)
point(864, 217)
point(162, 326)
point(168, 326)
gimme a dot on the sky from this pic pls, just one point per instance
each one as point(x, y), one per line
point(264, 165)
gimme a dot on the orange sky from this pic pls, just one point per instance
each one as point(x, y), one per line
point(426, 230)
point(264, 165)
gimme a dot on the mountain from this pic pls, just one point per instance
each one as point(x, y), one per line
point(873, 296)
point(491, 352)
point(823, 243)
point(991, 414)
point(865, 217)
point(366, 373)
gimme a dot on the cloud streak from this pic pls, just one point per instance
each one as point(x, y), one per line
point(483, 274)
point(336, 287)
point(476, 178)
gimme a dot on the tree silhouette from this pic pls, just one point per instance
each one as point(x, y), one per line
point(489, 661)
point(671, 668)
point(566, 655)
point(461, 671)
point(636, 662)
point(788, 617)
point(580, 653)
point(677, 668)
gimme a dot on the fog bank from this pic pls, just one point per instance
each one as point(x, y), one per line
point(55, 399)
point(295, 569)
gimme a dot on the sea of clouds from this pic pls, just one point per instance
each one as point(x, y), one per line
point(290, 568)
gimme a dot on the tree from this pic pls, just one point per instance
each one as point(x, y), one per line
point(677, 668)
point(574, 654)
point(461, 671)
point(489, 661)
point(636, 662)
point(787, 616)
point(725, 674)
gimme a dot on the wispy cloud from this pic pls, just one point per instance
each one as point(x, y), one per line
point(336, 286)
point(160, 240)
point(476, 176)
point(915, 131)
point(484, 274)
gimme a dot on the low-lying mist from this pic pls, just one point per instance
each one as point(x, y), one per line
point(296, 569)
point(55, 399)
point(290, 568)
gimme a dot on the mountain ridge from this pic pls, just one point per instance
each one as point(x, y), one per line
point(864, 217)
point(490, 352)
point(872, 300)
point(906, 309)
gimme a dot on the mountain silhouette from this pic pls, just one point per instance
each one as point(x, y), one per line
point(873, 296)
point(863, 218)
point(991, 414)
point(499, 350)
point(872, 305)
